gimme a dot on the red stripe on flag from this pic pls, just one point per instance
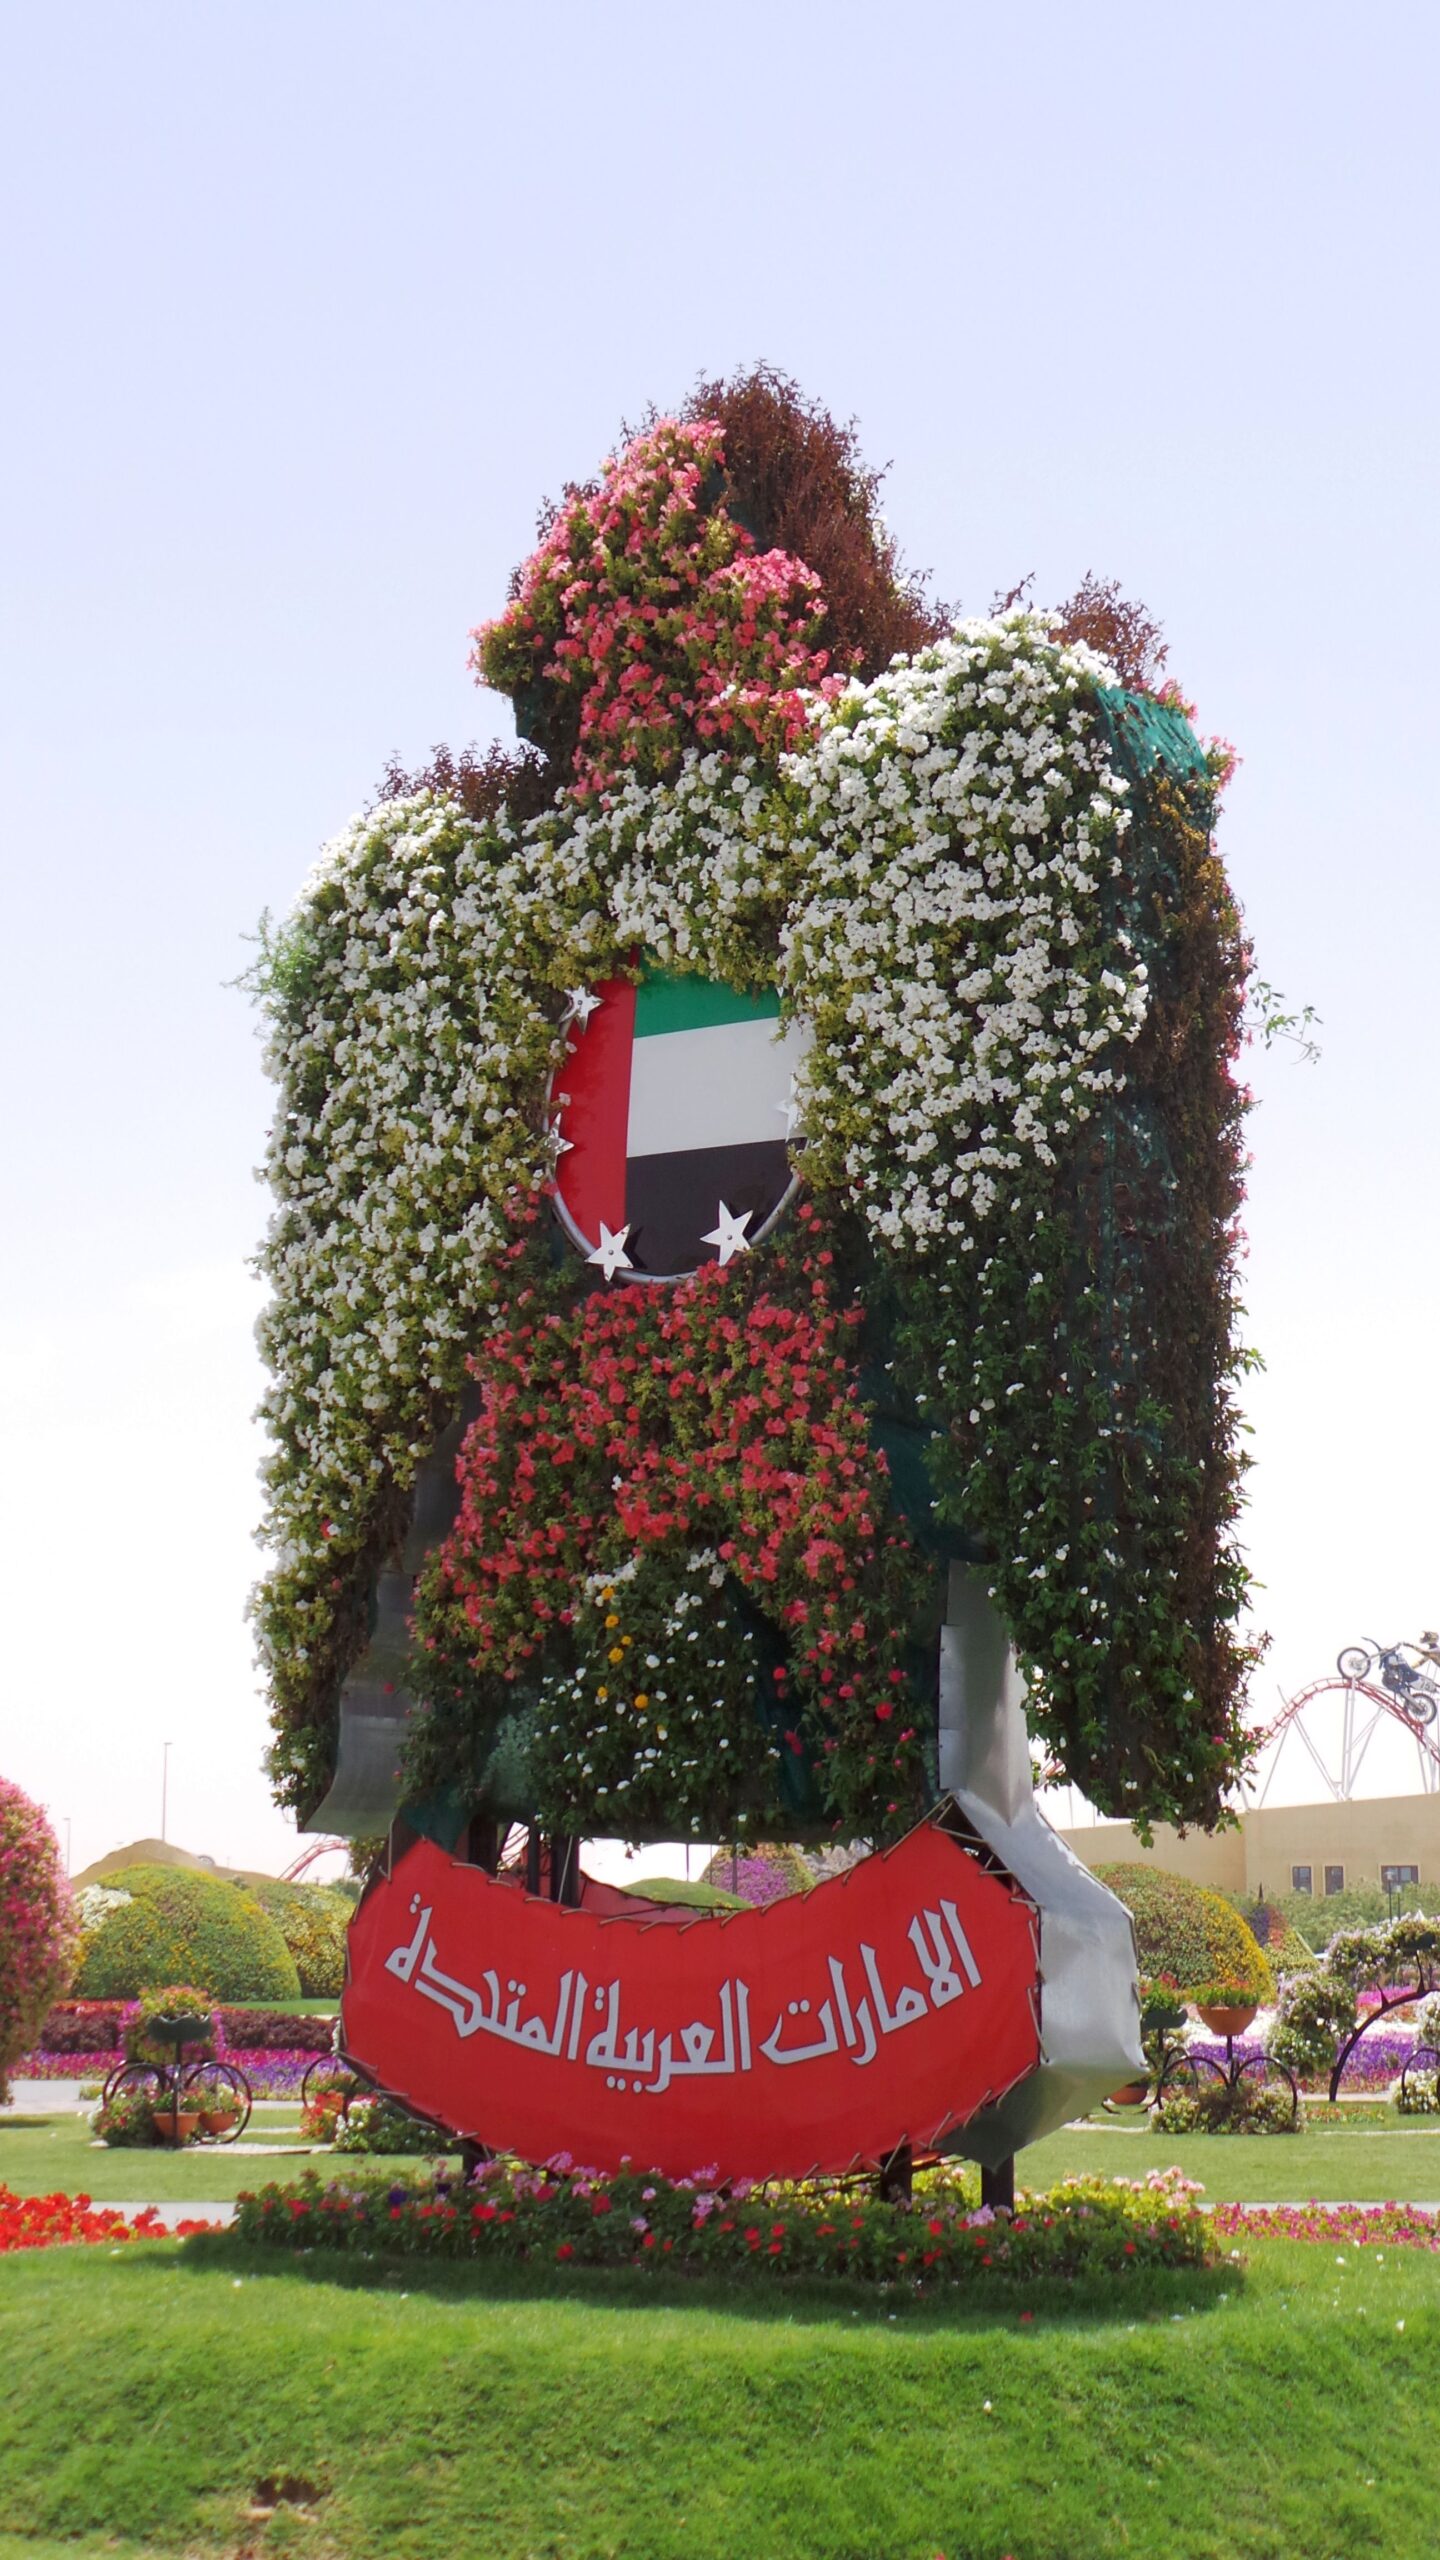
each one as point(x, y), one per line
point(596, 1119)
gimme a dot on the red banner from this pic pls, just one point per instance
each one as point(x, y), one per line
point(887, 2006)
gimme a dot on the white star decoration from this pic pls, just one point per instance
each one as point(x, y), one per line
point(579, 1005)
point(730, 1237)
point(559, 1146)
point(790, 1110)
point(610, 1252)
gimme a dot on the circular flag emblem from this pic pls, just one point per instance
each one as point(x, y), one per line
point(674, 1108)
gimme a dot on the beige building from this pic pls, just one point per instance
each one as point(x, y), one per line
point(1289, 1848)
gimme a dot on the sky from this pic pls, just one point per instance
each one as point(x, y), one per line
point(305, 309)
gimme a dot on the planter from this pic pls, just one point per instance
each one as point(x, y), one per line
point(1134, 2094)
point(219, 2119)
point(1229, 2022)
point(175, 2128)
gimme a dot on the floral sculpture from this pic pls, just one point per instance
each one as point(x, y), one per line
point(39, 1931)
point(986, 1307)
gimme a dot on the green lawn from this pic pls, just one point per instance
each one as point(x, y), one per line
point(444, 2415)
point(41, 2153)
point(1335, 2161)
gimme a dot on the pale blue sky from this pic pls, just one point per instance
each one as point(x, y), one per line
point(306, 307)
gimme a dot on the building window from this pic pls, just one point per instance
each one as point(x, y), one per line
point(1393, 1877)
point(1302, 1879)
point(1334, 1879)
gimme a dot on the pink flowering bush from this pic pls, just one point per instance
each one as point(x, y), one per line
point(39, 1930)
point(649, 620)
point(1355, 2226)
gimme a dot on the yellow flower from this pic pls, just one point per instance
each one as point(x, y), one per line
point(616, 1653)
point(602, 1693)
point(612, 1620)
point(643, 1700)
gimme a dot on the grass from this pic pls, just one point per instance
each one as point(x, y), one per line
point(40, 2153)
point(442, 2414)
point(1340, 2162)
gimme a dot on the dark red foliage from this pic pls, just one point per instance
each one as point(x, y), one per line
point(520, 781)
point(796, 479)
point(1120, 629)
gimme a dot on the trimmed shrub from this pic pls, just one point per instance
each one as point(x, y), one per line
point(759, 1872)
point(312, 1919)
point(276, 2031)
point(694, 1896)
point(1286, 1949)
point(1211, 2109)
point(39, 1930)
point(1189, 1933)
point(179, 1926)
point(81, 2026)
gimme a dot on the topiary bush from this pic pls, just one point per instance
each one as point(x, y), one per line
point(760, 1872)
point(312, 1919)
point(39, 1930)
point(182, 1927)
point(1189, 1933)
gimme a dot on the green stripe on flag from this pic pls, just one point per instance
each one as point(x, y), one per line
point(663, 1003)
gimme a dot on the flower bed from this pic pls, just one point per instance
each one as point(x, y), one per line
point(1086, 2226)
point(270, 2074)
point(1359, 2226)
point(50, 2222)
point(1378, 2058)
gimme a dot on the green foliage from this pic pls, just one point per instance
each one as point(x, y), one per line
point(127, 2122)
point(383, 2125)
point(1188, 1932)
point(1316, 2011)
point(695, 1894)
point(179, 1926)
point(312, 1919)
point(179, 2000)
point(1211, 2109)
point(1287, 1948)
point(1318, 1916)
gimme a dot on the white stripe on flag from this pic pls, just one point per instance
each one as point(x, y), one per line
point(720, 1087)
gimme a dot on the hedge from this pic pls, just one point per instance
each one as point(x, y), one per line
point(182, 1927)
point(95, 2026)
point(312, 1919)
point(1183, 1930)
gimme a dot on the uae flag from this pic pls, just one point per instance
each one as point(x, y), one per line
point(674, 1111)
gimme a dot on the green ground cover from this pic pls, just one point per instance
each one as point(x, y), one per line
point(460, 2414)
point(1338, 2163)
point(41, 2154)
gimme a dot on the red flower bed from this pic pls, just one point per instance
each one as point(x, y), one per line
point(52, 2222)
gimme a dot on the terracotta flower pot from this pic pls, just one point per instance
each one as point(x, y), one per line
point(218, 2119)
point(175, 2128)
point(1229, 2022)
point(1134, 2094)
